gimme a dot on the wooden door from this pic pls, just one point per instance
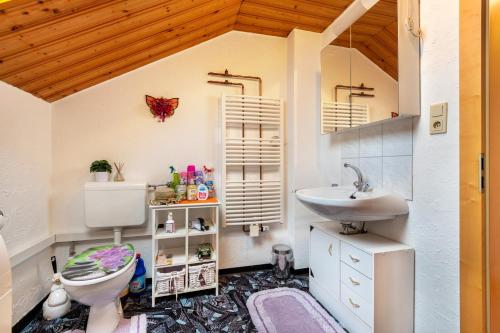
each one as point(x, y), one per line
point(472, 143)
point(494, 163)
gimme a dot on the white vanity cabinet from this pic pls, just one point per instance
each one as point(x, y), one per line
point(365, 281)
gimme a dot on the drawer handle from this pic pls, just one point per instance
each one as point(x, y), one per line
point(354, 305)
point(330, 248)
point(354, 259)
point(354, 282)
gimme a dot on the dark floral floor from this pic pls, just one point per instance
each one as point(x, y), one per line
point(191, 313)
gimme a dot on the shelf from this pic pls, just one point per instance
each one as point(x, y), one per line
point(182, 244)
point(194, 232)
point(188, 290)
point(212, 202)
point(179, 233)
point(193, 258)
point(178, 257)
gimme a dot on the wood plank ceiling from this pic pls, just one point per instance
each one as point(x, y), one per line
point(375, 35)
point(54, 48)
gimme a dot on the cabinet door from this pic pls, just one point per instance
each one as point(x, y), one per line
point(324, 261)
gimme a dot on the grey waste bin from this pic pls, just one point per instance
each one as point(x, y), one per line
point(282, 261)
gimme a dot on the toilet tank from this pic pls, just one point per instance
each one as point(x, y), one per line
point(115, 204)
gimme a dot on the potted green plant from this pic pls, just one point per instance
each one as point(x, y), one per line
point(101, 170)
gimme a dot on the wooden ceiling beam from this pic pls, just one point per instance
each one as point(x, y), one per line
point(36, 56)
point(115, 54)
point(276, 24)
point(50, 65)
point(339, 3)
point(377, 60)
point(261, 30)
point(131, 62)
point(283, 14)
point(383, 52)
point(73, 24)
point(33, 13)
point(330, 11)
point(53, 48)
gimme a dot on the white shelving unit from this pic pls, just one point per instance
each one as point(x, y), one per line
point(182, 244)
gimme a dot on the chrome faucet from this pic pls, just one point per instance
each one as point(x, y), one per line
point(361, 185)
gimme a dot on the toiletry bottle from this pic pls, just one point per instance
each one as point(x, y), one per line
point(202, 192)
point(198, 177)
point(181, 190)
point(170, 223)
point(192, 190)
point(209, 181)
point(190, 171)
point(138, 283)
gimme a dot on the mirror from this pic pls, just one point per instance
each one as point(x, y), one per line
point(360, 71)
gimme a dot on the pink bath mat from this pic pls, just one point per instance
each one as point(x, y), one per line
point(287, 310)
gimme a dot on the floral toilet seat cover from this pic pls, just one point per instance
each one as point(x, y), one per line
point(98, 261)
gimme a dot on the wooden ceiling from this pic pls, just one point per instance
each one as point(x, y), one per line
point(375, 35)
point(54, 48)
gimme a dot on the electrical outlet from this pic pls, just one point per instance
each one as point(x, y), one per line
point(438, 122)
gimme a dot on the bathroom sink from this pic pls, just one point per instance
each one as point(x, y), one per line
point(347, 204)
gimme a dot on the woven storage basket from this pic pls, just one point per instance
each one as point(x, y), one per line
point(171, 282)
point(201, 275)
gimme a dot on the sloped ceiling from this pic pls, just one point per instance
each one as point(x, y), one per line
point(375, 35)
point(54, 48)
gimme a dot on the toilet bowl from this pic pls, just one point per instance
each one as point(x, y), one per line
point(5, 287)
point(95, 278)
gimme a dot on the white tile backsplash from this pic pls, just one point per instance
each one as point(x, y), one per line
point(372, 170)
point(350, 144)
point(370, 141)
point(397, 138)
point(383, 152)
point(397, 175)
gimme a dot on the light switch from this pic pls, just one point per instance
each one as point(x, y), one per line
point(438, 122)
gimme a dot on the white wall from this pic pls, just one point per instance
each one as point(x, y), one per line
point(111, 121)
point(432, 226)
point(337, 66)
point(308, 162)
point(25, 166)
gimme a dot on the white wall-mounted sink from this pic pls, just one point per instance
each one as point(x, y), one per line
point(346, 204)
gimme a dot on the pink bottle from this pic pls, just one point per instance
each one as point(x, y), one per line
point(190, 172)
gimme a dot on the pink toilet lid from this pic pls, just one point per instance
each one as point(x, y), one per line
point(98, 261)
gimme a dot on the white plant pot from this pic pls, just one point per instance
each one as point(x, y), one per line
point(101, 176)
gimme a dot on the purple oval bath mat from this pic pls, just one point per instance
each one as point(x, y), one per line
point(287, 310)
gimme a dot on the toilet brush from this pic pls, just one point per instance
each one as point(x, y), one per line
point(58, 303)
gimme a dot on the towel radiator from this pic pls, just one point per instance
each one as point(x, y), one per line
point(252, 160)
point(337, 115)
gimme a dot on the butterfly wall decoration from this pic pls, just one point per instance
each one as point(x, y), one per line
point(162, 108)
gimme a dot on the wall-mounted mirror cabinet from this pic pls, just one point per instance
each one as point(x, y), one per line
point(370, 72)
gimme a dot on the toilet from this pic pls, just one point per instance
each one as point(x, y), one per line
point(96, 276)
point(5, 286)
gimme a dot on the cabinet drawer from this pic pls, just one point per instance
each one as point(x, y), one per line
point(357, 282)
point(356, 258)
point(357, 305)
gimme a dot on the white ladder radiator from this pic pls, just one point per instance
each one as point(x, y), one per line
point(252, 160)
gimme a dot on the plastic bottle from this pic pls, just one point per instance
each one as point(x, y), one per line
point(181, 190)
point(209, 181)
point(138, 283)
point(202, 192)
point(192, 190)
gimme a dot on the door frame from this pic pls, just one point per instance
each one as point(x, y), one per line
point(473, 241)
